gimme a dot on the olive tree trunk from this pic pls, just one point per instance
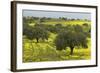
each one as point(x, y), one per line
point(37, 39)
point(72, 49)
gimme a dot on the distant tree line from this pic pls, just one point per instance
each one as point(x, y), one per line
point(43, 19)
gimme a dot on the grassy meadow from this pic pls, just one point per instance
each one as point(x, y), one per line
point(45, 50)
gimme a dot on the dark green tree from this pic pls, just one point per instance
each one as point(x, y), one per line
point(40, 33)
point(60, 42)
point(58, 28)
point(36, 32)
point(71, 39)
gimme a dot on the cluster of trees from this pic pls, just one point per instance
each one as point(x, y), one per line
point(70, 36)
point(67, 36)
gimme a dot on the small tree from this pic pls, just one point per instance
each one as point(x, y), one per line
point(40, 32)
point(36, 32)
point(58, 28)
point(71, 39)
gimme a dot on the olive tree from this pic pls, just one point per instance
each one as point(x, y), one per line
point(40, 33)
point(71, 39)
point(36, 32)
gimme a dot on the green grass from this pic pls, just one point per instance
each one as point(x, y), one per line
point(66, 22)
point(46, 51)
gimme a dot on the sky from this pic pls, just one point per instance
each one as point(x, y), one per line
point(57, 14)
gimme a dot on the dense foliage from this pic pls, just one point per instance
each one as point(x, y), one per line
point(70, 39)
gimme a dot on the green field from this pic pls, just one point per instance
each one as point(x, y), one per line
point(46, 50)
point(64, 22)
